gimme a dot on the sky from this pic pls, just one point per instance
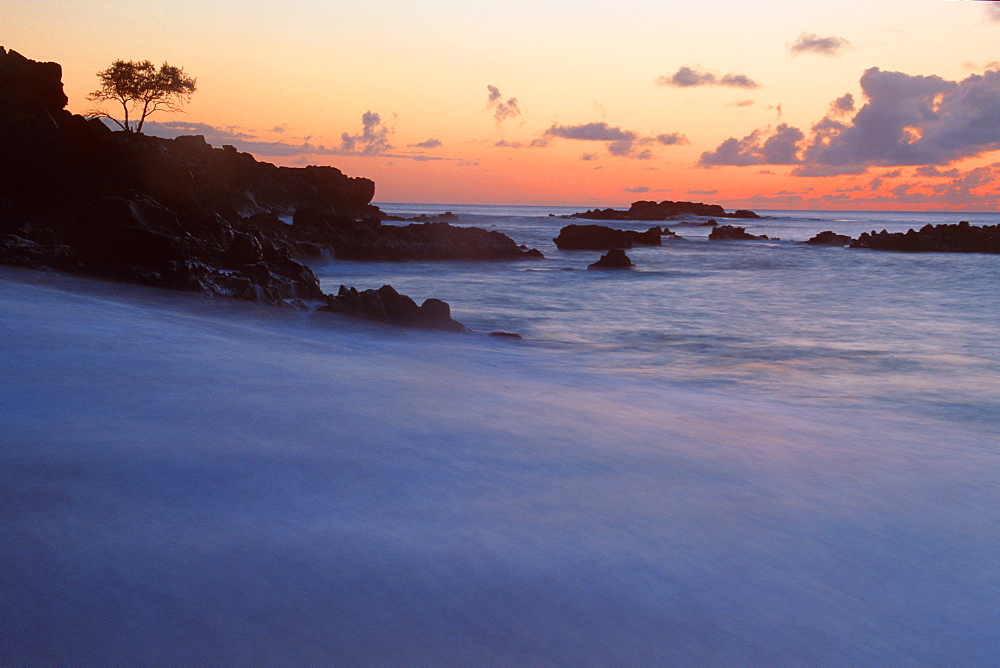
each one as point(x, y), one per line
point(775, 104)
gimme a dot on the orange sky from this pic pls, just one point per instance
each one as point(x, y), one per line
point(773, 104)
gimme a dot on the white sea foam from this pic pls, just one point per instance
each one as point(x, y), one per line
point(192, 481)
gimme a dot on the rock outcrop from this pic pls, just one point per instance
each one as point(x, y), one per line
point(957, 238)
point(665, 210)
point(599, 237)
point(613, 259)
point(387, 305)
point(77, 197)
point(729, 233)
point(828, 238)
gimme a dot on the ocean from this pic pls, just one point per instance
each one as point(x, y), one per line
point(736, 453)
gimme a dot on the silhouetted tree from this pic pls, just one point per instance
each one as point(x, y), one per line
point(141, 89)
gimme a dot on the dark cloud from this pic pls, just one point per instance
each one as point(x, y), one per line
point(932, 171)
point(686, 77)
point(374, 137)
point(501, 110)
point(757, 148)
point(430, 143)
point(672, 139)
point(637, 189)
point(827, 46)
point(503, 143)
point(842, 105)
point(590, 132)
point(707, 193)
point(589, 156)
point(906, 120)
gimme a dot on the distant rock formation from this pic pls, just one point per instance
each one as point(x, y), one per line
point(828, 238)
point(944, 238)
point(729, 232)
point(666, 210)
point(599, 237)
point(613, 259)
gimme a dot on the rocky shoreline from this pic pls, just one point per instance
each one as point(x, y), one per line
point(180, 214)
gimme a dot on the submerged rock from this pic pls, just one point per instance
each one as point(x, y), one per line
point(613, 259)
point(506, 335)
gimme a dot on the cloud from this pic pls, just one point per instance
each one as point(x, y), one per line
point(842, 105)
point(501, 110)
point(248, 142)
point(687, 77)
point(707, 193)
point(590, 132)
point(637, 189)
point(934, 172)
point(672, 139)
point(588, 156)
point(993, 11)
point(905, 120)
point(810, 43)
point(620, 142)
point(503, 143)
point(741, 103)
point(374, 137)
point(758, 148)
point(430, 143)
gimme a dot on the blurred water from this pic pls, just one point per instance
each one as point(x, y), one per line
point(918, 331)
point(737, 454)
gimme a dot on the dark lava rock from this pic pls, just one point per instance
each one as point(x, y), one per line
point(828, 238)
point(506, 335)
point(729, 232)
point(387, 305)
point(956, 238)
point(613, 259)
point(599, 237)
point(646, 210)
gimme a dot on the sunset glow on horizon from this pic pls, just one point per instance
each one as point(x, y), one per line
point(773, 105)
